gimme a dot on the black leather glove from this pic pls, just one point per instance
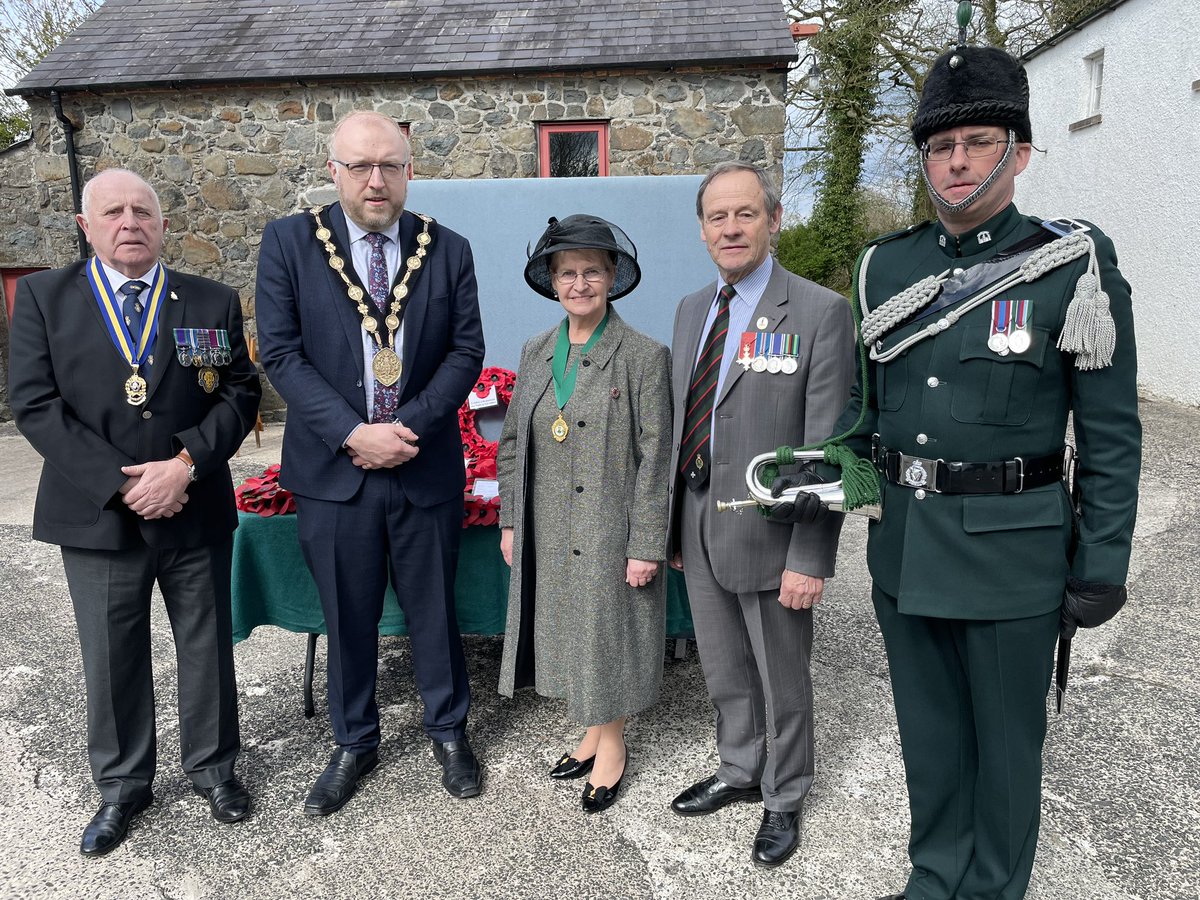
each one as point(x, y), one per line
point(1087, 604)
point(806, 509)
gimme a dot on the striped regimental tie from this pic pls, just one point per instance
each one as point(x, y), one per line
point(695, 448)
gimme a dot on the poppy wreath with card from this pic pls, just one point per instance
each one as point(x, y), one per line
point(479, 454)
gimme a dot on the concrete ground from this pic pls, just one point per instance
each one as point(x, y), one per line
point(1121, 809)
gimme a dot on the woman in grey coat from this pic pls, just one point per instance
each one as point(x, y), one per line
point(583, 464)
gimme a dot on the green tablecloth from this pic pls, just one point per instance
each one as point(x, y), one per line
point(272, 585)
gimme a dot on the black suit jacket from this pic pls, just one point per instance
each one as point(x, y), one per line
point(67, 395)
point(311, 339)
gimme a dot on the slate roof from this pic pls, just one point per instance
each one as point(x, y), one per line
point(127, 43)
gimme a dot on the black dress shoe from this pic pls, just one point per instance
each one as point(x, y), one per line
point(108, 826)
point(893, 897)
point(460, 770)
point(777, 839)
point(339, 781)
point(570, 767)
point(229, 801)
point(711, 794)
point(598, 799)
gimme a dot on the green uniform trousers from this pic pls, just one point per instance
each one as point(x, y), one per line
point(971, 706)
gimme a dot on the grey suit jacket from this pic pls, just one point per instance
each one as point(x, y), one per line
point(759, 411)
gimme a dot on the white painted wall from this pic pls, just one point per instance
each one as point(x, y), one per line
point(1136, 174)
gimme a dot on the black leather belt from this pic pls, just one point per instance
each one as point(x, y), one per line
point(1010, 476)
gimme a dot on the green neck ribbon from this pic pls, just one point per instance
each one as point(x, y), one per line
point(564, 379)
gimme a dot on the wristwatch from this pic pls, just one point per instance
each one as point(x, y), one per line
point(184, 457)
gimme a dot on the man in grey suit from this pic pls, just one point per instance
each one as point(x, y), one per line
point(761, 358)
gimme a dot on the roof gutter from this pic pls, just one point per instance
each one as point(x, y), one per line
point(1077, 25)
point(72, 166)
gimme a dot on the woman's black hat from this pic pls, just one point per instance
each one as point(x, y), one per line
point(583, 232)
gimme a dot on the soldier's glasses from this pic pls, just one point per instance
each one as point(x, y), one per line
point(362, 171)
point(976, 148)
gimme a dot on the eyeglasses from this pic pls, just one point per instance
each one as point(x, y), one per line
point(976, 148)
point(362, 171)
point(591, 276)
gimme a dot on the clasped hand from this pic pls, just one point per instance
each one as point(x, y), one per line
point(155, 490)
point(383, 445)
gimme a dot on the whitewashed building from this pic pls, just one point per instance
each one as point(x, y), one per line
point(1116, 106)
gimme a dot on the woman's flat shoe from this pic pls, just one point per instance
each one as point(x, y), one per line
point(570, 767)
point(598, 799)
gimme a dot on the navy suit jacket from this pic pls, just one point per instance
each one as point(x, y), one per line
point(310, 335)
point(67, 395)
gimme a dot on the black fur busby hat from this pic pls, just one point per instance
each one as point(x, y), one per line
point(583, 232)
point(973, 86)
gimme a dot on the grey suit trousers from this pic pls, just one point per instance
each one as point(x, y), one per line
point(111, 593)
point(755, 653)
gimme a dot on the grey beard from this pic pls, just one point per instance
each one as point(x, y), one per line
point(946, 206)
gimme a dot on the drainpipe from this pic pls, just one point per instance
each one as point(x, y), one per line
point(72, 165)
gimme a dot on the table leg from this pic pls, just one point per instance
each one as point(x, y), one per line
point(310, 657)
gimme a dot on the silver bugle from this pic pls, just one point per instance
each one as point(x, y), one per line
point(829, 493)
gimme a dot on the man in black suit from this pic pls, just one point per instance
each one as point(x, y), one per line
point(369, 321)
point(136, 489)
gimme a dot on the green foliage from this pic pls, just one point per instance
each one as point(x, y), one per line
point(29, 29)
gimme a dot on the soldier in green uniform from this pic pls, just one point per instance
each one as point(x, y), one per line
point(986, 329)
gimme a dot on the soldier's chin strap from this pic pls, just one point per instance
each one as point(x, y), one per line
point(945, 205)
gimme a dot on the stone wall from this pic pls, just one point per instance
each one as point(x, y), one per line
point(227, 160)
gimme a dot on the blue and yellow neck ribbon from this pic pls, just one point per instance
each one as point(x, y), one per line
point(133, 349)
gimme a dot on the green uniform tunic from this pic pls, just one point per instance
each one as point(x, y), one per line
point(968, 587)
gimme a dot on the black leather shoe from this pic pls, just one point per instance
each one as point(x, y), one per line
point(777, 839)
point(598, 799)
point(108, 826)
point(339, 781)
point(229, 801)
point(893, 897)
point(460, 770)
point(570, 767)
point(711, 794)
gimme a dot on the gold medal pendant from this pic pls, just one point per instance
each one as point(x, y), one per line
point(559, 429)
point(386, 366)
point(208, 379)
point(135, 389)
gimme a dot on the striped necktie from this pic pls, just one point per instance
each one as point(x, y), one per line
point(695, 448)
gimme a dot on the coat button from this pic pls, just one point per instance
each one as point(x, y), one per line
point(579, 488)
point(358, 383)
point(581, 424)
point(587, 362)
point(146, 414)
point(932, 381)
point(575, 552)
point(919, 494)
point(922, 439)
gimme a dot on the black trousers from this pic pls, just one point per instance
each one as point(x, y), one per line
point(351, 548)
point(111, 593)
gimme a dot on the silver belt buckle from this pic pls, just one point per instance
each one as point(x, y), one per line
point(916, 472)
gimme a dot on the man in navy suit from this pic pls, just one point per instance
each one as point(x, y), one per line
point(368, 319)
point(136, 432)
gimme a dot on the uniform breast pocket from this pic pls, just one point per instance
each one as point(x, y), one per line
point(892, 378)
point(990, 389)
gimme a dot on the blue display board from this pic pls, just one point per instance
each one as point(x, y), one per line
point(503, 217)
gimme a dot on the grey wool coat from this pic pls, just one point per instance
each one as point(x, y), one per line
point(598, 642)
